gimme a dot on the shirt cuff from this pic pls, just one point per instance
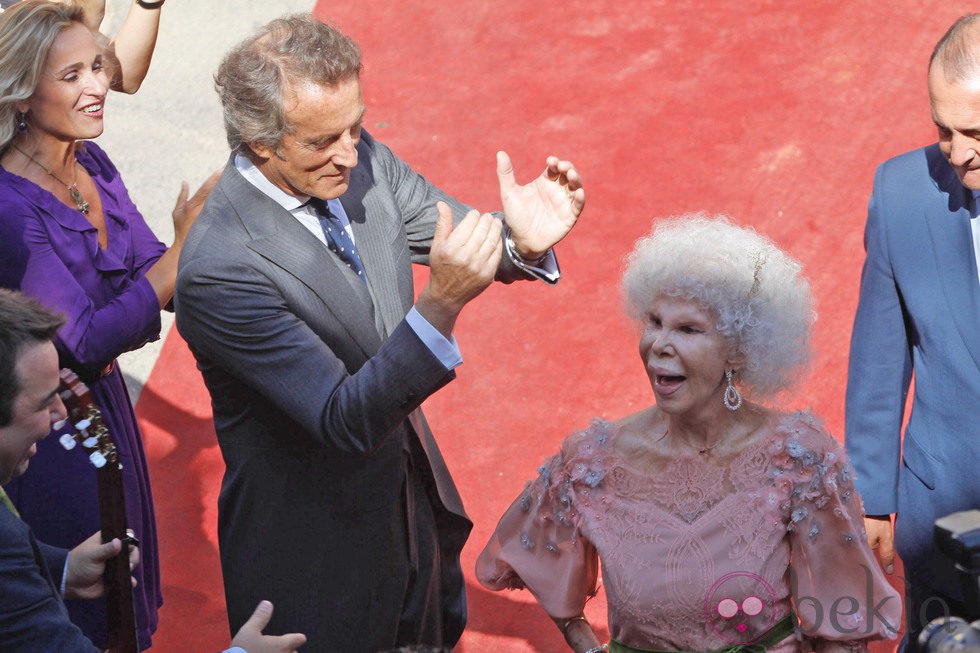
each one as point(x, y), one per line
point(447, 351)
point(235, 649)
point(64, 574)
point(544, 268)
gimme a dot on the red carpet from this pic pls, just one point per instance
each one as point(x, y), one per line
point(775, 113)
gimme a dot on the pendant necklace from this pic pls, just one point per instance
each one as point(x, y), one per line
point(701, 451)
point(76, 195)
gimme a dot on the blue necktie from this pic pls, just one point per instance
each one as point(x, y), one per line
point(338, 240)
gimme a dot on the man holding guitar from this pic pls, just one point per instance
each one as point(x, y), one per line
point(36, 577)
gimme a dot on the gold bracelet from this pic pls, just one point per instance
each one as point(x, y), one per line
point(564, 626)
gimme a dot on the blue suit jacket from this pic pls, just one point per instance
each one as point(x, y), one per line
point(919, 311)
point(32, 615)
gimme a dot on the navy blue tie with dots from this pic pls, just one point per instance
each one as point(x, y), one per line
point(338, 240)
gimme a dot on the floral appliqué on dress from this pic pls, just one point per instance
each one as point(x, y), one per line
point(783, 513)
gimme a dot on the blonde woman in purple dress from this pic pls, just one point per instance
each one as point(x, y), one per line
point(71, 237)
point(717, 521)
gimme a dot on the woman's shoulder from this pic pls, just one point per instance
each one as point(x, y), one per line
point(95, 160)
point(809, 456)
point(604, 438)
point(583, 455)
point(801, 431)
point(20, 200)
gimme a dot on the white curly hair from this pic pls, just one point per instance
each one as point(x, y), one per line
point(758, 293)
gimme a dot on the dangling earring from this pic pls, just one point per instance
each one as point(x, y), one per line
point(21, 121)
point(733, 400)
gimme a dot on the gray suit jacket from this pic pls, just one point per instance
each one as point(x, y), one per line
point(316, 382)
point(919, 311)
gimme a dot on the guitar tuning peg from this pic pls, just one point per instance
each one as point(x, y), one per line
point(97, 459)
point(67, 442)
point(83, 424)
point(60, 424)
point(90, 443)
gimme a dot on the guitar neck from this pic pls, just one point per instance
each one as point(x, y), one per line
point(118, 586)
point(94, 436)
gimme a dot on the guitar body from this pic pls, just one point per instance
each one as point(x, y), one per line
point(93, 435)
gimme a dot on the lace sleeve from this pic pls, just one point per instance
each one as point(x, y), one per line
point(838, 588)
point(538, 545)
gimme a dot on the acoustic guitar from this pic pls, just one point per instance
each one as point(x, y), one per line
point(93, 435)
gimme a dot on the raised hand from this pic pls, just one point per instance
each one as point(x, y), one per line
point(250, 636)
point(163, 273)
point(542, 212)
point(463, 261)
point(187, 209)
point(93, 12)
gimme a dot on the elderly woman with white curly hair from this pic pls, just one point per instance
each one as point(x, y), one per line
point(719, 522)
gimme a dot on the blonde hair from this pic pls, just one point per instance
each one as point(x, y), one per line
point(27, 31)
point(761, 300)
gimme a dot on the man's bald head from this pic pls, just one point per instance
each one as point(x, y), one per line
point(957, 54)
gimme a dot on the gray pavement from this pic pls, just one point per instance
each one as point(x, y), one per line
point(171, 130)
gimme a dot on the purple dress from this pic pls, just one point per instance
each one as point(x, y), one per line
point(50, 251)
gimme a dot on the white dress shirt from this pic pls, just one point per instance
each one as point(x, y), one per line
point(444, 349)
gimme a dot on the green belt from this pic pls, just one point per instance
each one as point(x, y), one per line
point(780, 631)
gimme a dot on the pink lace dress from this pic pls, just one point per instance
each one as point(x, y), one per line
point(700, 556)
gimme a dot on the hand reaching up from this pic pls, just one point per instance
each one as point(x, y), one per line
point(542, 212)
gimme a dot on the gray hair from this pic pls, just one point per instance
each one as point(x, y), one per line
point(957, 54)
point(27, 31)
point(255, 76)
point(757, 293)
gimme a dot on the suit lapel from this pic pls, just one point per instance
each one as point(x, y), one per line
point(952, 239)
point(377, 230)
point(376, 237)
point(278, 237)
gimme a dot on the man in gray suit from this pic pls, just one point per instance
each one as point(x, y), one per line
point(295, 296)
point(919, 311)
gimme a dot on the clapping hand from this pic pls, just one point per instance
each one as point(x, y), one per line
point(187, 208)
point(542, 212)
point(462, 262)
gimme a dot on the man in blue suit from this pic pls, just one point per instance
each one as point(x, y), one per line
point(34, 577)
point(919, 311)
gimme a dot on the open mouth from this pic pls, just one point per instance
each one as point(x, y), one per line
point(668, 383)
